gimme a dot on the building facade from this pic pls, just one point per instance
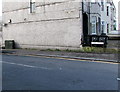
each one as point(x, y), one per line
point(108, 16)
point(55, 25)
point(95, 18)
point(119, 16)
point(43, 25)
point(0, 32)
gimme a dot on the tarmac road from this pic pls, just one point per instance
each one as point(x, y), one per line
point(43, 73)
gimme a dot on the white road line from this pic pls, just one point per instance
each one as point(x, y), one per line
point(23, 65)
point(118, 79)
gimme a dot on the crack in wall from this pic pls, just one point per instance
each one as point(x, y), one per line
point(45, 20)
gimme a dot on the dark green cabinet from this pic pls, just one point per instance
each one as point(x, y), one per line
point(9, 44)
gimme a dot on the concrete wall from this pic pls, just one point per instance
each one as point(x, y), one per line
point(119, 16)
point(53, 25)
point(0, 33)
point(0, 38)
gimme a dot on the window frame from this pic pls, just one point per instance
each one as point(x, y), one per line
point(108, 28)
point(107, 10)
point(32, 6)
point(93, 22)
point(103, 26)
point(102, 5)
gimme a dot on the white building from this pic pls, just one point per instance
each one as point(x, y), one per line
point(91, 20)
point(119, 16)
point(108, 16)
point(95, 18)
point(44, 25)
point(0, 31)
point(49, 25)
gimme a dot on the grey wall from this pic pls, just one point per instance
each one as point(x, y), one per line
point(119, 16)
point(0, 33)
point(114, 44)
point(53, 25)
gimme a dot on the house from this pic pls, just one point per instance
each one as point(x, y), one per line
point(91, 20)
point(95, 18)
point(108, 16)
point(62, 24)
point(114, 35)
point(43, 25)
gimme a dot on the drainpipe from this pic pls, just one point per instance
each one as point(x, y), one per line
point(82, 39)
point(89, 29)
point(82, 6)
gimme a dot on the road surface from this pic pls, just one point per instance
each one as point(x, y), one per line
point(43, 73)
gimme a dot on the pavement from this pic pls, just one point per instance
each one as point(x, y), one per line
point(103, 57)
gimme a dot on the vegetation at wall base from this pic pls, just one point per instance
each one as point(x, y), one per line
point(100, 50)
point(97, 50)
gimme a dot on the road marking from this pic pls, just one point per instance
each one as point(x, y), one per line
point(68, 59)
point(23, 65)
point(78, 60)
point(72, 59)
point(118, 79)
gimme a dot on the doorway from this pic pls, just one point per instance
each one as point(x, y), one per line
point(85, 30)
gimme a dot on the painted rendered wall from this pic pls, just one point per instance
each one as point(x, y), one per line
point(0, 33)
point(119, 16)
point(53, 25)
point(108, 19)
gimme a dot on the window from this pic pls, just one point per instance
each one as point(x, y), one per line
point(102, 26)
point(112, 27)
point(102, 5)
point(93, 25)
point(107, 10)
point(99, 25)
point(107, 28)
point(93, 1)
point(32, 6)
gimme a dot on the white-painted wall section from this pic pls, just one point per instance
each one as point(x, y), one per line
point(53, 25)
point(119, 16)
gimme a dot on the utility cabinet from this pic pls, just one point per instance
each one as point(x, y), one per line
point(9, 44)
